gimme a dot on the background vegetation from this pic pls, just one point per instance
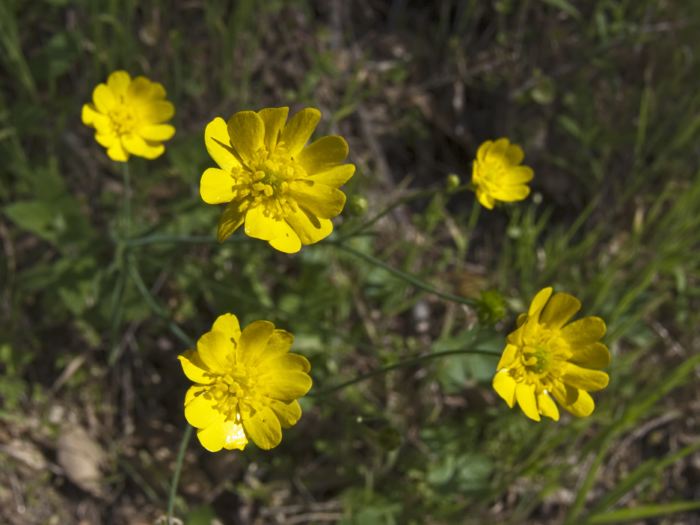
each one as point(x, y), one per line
point(603, 96)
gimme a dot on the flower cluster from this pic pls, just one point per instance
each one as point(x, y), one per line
point(497, 174)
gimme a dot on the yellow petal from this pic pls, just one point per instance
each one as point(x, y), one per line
point(119, 82)
point(485, 199)
point(285, 385)
point(560, 308)
point(288, 242)
point(520, 320)
point(517, 175)
point(483, 150)
point(228, 325)
point(157, 91)
point(234, 436)
point(309, 228)
point(264, 428)
point(504, 385)
point(510, 193)
point(260, 226)
point(117, 152)
point(510, 352)
point(212, 438)
point(584, 331)
point(578, 402)
point(498, 149)
point(293, 362)
point(106, 139)
point(298, 130)
point(103, 98)
point(158, 111)
point(584, 378)
point(525, 395)
point(323, 154)
point(216, 351)
point(538, 302)
point(247, 133)
point(229, 221)
point(287, 413)
point(274, 119)
point(335, 176)
point(194, 368)
point(200, 412)
point(277, 346)
point(157, 132)
point(135, 145)
point(594, 355)
point(216, 186)
point(547, 406)
point(514, 154)
point(218, 145)
point(89, 113)
point(253, 341)
point(140, 89)
point(321, 200)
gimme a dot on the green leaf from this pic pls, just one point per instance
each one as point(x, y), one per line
point(645, 511)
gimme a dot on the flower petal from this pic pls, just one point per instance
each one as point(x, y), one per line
point(200, 411)
point(103, 98)
point(253, 342)
point(298, 130)
point(334, 177)
point(287, 413)
point(547, 406)
point(485, 199)
point(158, 111)
point(517, 175)
point(507, 193)
point(157, 132)
point(323, 154)
point(135, 145)
point(264, 428)
point(584, 378)
point(510, 352)
point(216, 186)
point(117, 152)
point(194, 368)
point(140, 89)
point(285, 385)
point(515, 155)
point(218, 145)
point(274, 119)
point(288, 242)
point(321, 200)
point(560, 308)
point(578, 402)
point(525, 395)
point(504, 385)
point(483, 150)
point(594, 355)
point(498, 149)
point(584, 331)
point(228, 325)
point(309, 228)
point(89, 114)
point(234, 436)
point(261, 226)
point(216, 351)
point(247, 133)
point(212, 437)
point(292, 362)
point(539, 301)
point(229, 221)
point(119, 82)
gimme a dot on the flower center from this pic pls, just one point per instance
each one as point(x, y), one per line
point(123, 118)
point(264, 182)
point(239, 386)
point(536, 359)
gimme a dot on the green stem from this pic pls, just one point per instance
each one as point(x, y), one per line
point(409, 278)
point(127, 200)
point(178, 469)
point(406, 362)
point(471, 226)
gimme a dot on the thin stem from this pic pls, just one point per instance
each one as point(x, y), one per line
point(471, 226)
point(412, 279)
point(127, 200)
point(158, 309)
point(178, 469)
point(158, 238)
point(406, 362)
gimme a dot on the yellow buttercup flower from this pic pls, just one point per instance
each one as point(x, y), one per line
point(284, 191)
point(547, 358)
point(246, 384)
point(497, 174)
point(129, 115)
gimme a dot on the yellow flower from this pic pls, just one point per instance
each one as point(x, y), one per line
point(128, 116)
point(284, 191)
point(497, 174)
point(547, 358)
point(246, 384)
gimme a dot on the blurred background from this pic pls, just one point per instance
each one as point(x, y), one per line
point(603, 97)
